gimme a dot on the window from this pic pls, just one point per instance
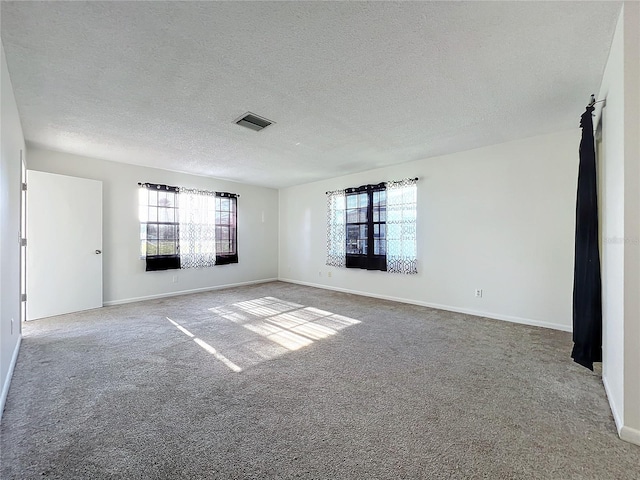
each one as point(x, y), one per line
point(366, 227)
point(226, 229)
point(158, 212)
point(373, 227)
point(186, 228)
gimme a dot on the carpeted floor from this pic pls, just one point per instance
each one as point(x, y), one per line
point(280, 381)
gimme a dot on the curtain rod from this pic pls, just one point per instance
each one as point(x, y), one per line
point(177, 189)
point(414, 179)
point(593, 101)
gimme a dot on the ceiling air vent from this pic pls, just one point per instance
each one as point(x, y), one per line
point(253, 121)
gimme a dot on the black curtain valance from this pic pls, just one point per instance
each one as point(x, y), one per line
point(159, 186)
point(162, 262)
point(366, 188)
point(227, 194)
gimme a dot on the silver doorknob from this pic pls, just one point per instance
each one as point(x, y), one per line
point(98, 252)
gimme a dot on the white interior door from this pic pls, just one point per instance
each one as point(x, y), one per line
point(64, 244)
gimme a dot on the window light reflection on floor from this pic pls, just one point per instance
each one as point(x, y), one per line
point(207, 347)
point(288, 324)
point(272, 328)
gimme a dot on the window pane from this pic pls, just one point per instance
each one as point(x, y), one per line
point(363, 239)
point(143, 213)
point(222, 234)
point(143, 231)
point(362, 215)
point(153, 214)
point(222, 248)
point(167, 247)
point(352, 238)
point(152, 231)
point(224, 204)
point(153, 197)
point(352, 201)
point(152, 247)
point(166, 215)
point(363, 200)
point(383, 214)
point(352, 216)
point(224, 218)
point(167, 232)
point(166, 199)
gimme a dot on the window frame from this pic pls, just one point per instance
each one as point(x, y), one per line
point(368, 260)
point(159, 261)
point(230, 254)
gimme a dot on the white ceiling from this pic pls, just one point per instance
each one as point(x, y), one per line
point(351, 86)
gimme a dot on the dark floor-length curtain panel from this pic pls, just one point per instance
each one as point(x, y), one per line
point(587, 299)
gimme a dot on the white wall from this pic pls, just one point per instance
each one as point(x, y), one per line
point(499, 218)
point(124, 273)
point(611, 184)
point(631, 429)
point(10, 168)
point(620, 186)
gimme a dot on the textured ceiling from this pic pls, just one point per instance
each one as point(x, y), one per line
point(351, 86)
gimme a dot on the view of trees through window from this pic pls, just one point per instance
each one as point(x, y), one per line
point(158, 212)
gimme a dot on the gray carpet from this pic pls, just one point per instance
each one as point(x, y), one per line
point(284, 381)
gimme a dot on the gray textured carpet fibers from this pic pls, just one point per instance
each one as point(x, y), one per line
point(284, 381)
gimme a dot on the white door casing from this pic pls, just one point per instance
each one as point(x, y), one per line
point(64, 236)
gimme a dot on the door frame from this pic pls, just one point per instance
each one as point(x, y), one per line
point(23, 240)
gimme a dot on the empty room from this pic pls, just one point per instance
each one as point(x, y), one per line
point(320, 240)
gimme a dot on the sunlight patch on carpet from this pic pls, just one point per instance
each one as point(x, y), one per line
point(207, 347)
point(287, 324)
point(254, 331)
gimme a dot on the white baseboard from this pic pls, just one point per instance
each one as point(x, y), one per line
point(477, 313)
point(630, 435)
point(625, 433)
point(614, 411)
point(7, 380)
point(186, 292)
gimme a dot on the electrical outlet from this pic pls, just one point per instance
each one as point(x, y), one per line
point(478, 292)
point(175, 279)
point(329, 274)
point(320, 273)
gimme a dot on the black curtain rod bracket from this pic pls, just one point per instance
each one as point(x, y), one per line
point(593, 101)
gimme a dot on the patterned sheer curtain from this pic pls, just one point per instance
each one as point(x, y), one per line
point(197, 228)
point(336, 228)
point(401, 226)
